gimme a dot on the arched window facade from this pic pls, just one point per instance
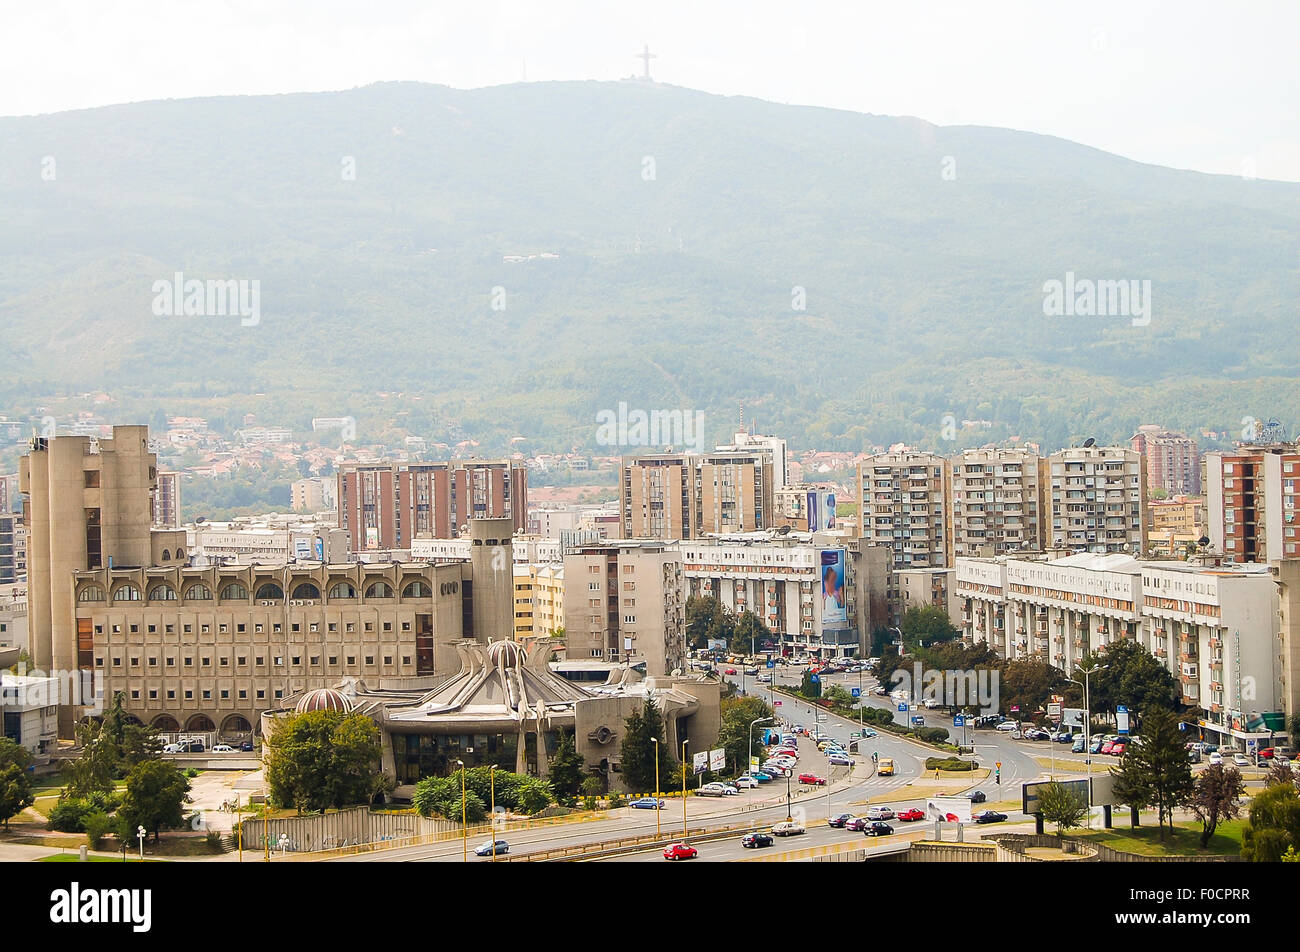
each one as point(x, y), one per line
point(343, 590)
point(91, 593)
point(162, 593)
point(234, 592)
point(416, 589)
point(199, 593)
point(379, 590)
point(269, 591)
point(306, 590)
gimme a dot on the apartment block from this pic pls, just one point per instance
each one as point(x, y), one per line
point(1250, 502)
point(10, 528)
point(675, 496)
point(539, 599)
point(1173, 460)
point(786, 583)
point(385, 506)
point(997, 502)
point(1215, 629)
point(625, 601)
point(906, 504)
point(313, 494)
point(1097, 500)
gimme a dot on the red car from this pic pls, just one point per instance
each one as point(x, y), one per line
point(1119, 748)
point(1267, 753)
point(730, 671)
point(907, 816)
point(681, 851)
point(1107, 747)
point(813, 779)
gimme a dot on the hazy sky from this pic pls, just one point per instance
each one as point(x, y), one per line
point(1195, 84)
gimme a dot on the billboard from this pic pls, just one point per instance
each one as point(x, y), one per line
point(1073, 717)
point(820, 507)
point(718, 759)
point(700, 761)
point(1121, 719)
point(948, 809)
point(835, 611)
point(1102, 792)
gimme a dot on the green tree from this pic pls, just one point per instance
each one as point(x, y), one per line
point(322, 759)
point(93, 771)
point(15, 783)
point(1062, 805)
point(927, 625)
point(811, 686)
point(1274, 825)
point(1027, 683)
point(1133, 677)
point(566, 768)
point(734, 734)
point(155, 797)
point(749, 633)
point(1156, 772)
point(637, 751)
point(706, 619)
point(1216, 796)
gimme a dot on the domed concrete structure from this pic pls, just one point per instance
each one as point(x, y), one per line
point(323, 699)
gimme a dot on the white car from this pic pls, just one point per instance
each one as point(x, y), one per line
point(1007, 726)
point(1241, 760)
point(223, 749)
point(1216, 758)
point(838, 759)
point(173, 749)
point(744, 783)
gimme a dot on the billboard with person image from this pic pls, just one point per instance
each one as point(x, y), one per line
point(835, 609)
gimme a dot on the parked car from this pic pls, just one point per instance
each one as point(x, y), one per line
point(975, 796)
point(647, 803)
point(173, 749)
point(880, 813)
point(1281, 750)
point(990, 816)
point(761, 777)
point(246, 746)
point(1216, 758)
point(194, 747)
point(1097, 744)
point(711, 790)
point(812, 779)
point(745, 782)
point(680, 851)
point(788, 828)
point(222, 749)
point(1037, 733)
point(839, 760)
point(730, 789)
point(1007, 726)
point(755, 840)
point(912, 815)
point(878, 829)
point(1118, 748)
point(1063, 737)
point(499, 847)
point(1078, 747)
point(1107, 747)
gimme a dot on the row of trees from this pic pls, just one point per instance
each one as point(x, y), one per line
point(321, 759)
point(707, 620)
point(483, 787)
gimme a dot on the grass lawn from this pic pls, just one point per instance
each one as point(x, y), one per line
point(73, 858)
point(1185, 840)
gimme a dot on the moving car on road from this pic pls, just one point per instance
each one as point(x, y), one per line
point(880, 813)
point(990, 816)
point(755, 840)
point(812, 779)
point(788, 828)
point(912, 815)
point(886, 767)
point(499, 847)
point(878, 829)
point(857, 824)
point(1240, 759)
point(839, 760)
point(680, 851)
point(975, 796)
point(646, 803)
point(839, 820)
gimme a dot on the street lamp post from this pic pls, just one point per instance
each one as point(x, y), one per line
point(657, 811)
point(789, 815)
point(140, 831)
point(1087, 725)
point(492, 793)
point(464, 828)
point(750, 765)
point(684, 743)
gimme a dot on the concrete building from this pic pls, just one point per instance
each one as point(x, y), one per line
point(167, 501)
point(88, 507)
point(313, 494)
point(997, 502)
point(1250, 502)
point(774, 446)
point(13, 620)
point(1215, 629)
point(920, 587)
point(10, 526)
point(29, 710)
point(905, 503)
point(388, 505)
point(249, 541)
point(625, 601)
point(1097, 500)
point(780, 579)
point(676, 496)
point(1173, 460)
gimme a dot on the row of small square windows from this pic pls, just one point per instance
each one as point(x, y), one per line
point(259, 661)
point(276, 627)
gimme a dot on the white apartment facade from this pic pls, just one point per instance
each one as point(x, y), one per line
point(1096, 500)
point(905, 503)
point(997, 502)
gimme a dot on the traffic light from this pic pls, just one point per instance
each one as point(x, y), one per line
point(997, 772)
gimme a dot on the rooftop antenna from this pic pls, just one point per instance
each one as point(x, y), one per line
point(646, 56)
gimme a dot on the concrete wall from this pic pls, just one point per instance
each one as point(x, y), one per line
point(345, 828)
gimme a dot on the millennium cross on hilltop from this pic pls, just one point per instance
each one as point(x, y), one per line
point(646, 56)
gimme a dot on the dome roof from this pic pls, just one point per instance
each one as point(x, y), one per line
point(323, 699)
point(508, 654)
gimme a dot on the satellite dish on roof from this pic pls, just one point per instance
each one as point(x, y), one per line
point(1203, 541)
point(1089, 442)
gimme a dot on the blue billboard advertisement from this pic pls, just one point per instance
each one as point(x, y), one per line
point(835, 610)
